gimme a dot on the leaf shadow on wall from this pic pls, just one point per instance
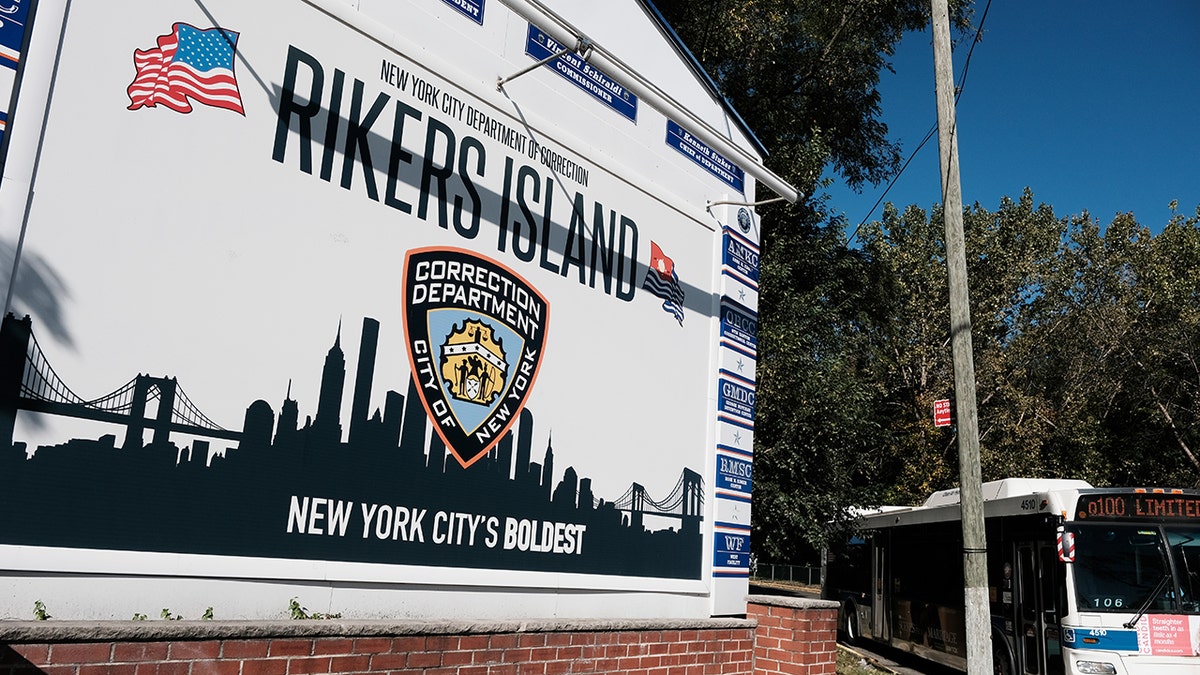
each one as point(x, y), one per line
point(40, 292)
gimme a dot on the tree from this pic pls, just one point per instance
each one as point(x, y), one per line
point(1119, 330)
point(804, 76)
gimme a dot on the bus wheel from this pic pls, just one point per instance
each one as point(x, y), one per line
point(1001, 662)
point(850, 622)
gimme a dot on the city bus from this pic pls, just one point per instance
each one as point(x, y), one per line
point(1081, 580)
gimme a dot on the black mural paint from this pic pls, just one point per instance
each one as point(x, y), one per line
point(285, 490)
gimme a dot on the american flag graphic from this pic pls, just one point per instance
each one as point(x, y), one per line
point(189, 63)
point(662, 281)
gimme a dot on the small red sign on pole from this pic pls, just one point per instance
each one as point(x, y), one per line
point(941, 413)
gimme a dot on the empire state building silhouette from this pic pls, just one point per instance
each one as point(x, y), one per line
point(326, 430)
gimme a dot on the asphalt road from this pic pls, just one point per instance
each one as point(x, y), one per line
point(882, 656)
point(896, 661)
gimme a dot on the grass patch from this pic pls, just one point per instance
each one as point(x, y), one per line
point(850, 663)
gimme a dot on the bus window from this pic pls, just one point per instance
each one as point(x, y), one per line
point(1185, 548)
point(1120, 567)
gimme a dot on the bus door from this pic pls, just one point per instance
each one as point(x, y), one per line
point(879, 610)
point(1039, 650)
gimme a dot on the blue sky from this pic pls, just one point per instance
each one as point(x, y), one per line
point(1093, 105)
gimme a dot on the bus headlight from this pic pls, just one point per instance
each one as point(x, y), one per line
point(1095, 668)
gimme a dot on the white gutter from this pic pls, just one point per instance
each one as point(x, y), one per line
point(561, 30)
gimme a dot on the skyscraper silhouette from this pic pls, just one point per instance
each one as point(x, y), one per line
point(327, 427)
point(548, 469)
point(412, 430)
point(287, 435)
point(525, 449)
point(360, 411)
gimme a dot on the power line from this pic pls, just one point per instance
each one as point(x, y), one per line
point(958, 90)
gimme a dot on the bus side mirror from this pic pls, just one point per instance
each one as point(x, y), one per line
point(1066, 545)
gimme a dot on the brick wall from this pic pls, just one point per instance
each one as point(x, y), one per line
point(775, 638)
point(795, 636)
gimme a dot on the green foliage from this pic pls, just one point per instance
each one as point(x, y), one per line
point(207, 615)
point(300, 613)
point(138, 617)
point(804, 75)
point(166, 614)
point(39, 611)
point(1085, 335)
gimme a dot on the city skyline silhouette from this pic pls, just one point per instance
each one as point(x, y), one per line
point(157, 496)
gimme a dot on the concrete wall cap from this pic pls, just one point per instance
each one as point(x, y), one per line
point(790, 601)
point(145, 631)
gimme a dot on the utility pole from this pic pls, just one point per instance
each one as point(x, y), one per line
point(978, 621)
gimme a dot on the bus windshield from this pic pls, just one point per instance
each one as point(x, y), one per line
point(1130, 568)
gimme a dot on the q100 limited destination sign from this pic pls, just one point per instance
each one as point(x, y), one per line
point(475, 331)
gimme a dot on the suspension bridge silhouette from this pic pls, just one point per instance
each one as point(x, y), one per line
point(42, 390)
point(29, 382)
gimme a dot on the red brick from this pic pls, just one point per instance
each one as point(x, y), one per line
point(87, 652)
point(139, 651)
point(533, 640)
point(769, 642)
point(506, 669)
point(388, 661)
point(403, 645)
point(489, 656)
point(592, 651)
point(290, 648)
point(658, 648)
point(264, 667)
point(632, 637)
point(244, 649)
point(349, 664)
point(424, 660)
point(108, 669)
point(531, 668)
point(502, 641)
point(769, 621)
point(606, 665)
point(458, 658)
point(220, 667)
point(371, 646)
point(172, 668)
point(442, 643)
point(473, 642)
point(473, 670)
point(322, 646)
point(59, 670)
point(606, 638)
point(193, 651)
point(650, 661)
point(37, 655)
point(517, 655)
point(307, 665)
point(558, 667)
point(616, 651)
point(558, 639)
point(569, 653)
point(583, 638)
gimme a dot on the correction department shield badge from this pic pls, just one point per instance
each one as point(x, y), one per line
point(475, 332)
